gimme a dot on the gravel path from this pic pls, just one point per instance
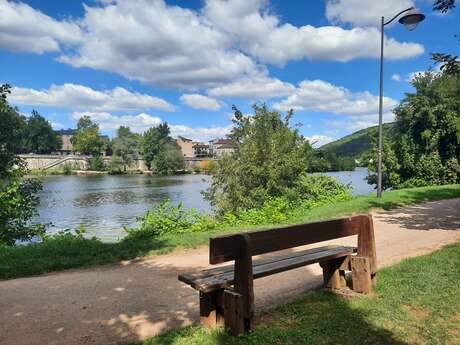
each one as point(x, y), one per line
point(134, 300)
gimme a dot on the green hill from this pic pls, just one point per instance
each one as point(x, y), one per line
point(355, 144)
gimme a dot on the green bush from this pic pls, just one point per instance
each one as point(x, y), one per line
point(116, 166)
point(67, 169)
point(18, 202)
point(96, 163)
point(165, 218)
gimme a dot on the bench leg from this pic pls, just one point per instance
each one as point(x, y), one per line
point(211, 309)
point(361, 274)
point(234, 312)
point(333, 273)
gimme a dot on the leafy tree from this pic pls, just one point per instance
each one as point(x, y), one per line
point(427, 140)
point(390, 165)
point(443, 6)
point(153, 141)
point(271, 159)
point(126, 146)
point(169, 160)
point(87, 139)
point(18, 196)
point(39, 135)
point(11, 134)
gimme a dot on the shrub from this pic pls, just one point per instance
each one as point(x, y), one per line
point(67, 169)
point(116, 166)
point(96, 163)
point(165, 218)
point(18, 202)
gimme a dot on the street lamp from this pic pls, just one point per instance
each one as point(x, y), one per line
point(410, 19)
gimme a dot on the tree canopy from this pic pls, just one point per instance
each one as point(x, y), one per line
point(270, 160)
point(39, 136)
point(87, 139)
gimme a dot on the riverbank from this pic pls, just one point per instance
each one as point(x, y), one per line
point(69, 251)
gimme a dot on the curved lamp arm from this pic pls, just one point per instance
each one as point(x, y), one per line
point(396, 16)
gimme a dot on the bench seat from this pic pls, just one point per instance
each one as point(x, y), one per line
point(223, 277)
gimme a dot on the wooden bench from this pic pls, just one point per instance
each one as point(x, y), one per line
point(227, 293)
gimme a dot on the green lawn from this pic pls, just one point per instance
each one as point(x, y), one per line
point(63, 253)
point(417, 302)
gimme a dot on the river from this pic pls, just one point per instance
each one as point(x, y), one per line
point(105, 204)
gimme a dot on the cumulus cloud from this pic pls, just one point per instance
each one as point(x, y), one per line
point(255, 88)
point(159, 44)
point(318, 95)
point(364, 13)
point(141, 122)
point(396, 77)
point(109, 122)
point(261, 34)
point(83, 97)
point(24, 29)
point(319, 140)
point(197, 101)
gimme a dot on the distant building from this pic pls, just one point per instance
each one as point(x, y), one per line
point(186, 146)
point(220, 147)
point(201, 150)
point(66, 136)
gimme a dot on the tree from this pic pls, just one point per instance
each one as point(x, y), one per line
point(126, 146)
point(443, 6)
point(153, 141)
point(11, 134)
point(270, 161)
point(390, 165)
point(169, 159)
point(18, 195)
point(39, 136)
point(427, 140)
point(87, 139)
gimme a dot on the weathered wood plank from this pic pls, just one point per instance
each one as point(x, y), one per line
point(223, 248)
point(233, 306)
point(211, 309)
point(331, 273)
point(226, 279)
point(189, 277)
point(361, 274)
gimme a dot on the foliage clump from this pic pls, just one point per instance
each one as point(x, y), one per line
point(426, 143)
point(272, 161)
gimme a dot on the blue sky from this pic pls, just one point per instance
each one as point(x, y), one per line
point(140, 62)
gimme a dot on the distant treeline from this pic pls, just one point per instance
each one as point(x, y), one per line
point(324, 161)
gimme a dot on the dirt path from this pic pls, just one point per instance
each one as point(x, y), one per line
point(121, 303)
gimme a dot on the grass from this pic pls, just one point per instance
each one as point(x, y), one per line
point(66, 252)
point(417, 302)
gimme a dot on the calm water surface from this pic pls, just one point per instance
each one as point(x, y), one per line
point(105, 204)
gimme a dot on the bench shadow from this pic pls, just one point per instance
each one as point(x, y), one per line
point(318, 318)
point(439, 215)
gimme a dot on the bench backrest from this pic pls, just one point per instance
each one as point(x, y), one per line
point(225, 248)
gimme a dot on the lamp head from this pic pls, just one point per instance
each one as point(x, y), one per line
point(411, 18)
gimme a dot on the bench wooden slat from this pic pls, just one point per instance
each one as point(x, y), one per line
point(222, 248)
point(192, 276)
point(223, 277)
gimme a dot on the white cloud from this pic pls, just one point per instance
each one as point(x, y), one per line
point(396, 77)
point(197, 101)
point(109, 122)
point(158, 44)
point(318, 140)
point(259, 33)
point(83, 97)
point(355, 123)
point(24, 29)
point(255, 88)
point(200, 133)
point(318, 95)
point(141, 122)
point(364, 13)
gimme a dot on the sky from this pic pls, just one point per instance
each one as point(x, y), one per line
point(137, 63)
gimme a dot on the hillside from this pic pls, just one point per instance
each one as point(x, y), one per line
point(355, 144)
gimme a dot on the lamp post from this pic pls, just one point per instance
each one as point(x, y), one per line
point(410, 19)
